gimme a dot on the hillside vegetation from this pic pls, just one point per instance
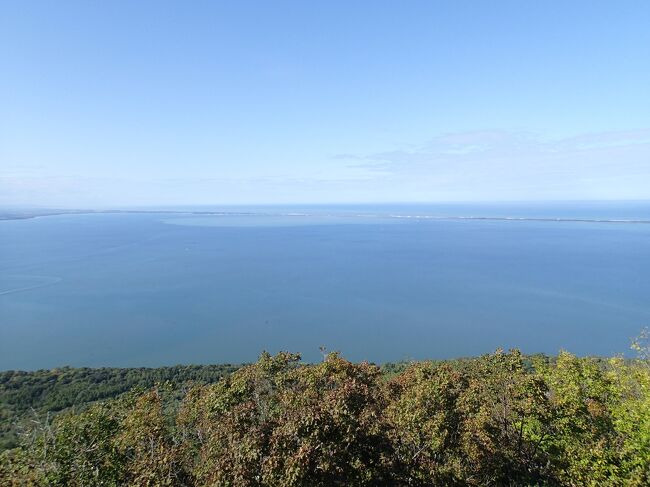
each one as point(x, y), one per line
point(26, 397)
point(497, 420)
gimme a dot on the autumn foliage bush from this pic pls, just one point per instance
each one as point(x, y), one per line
point(501, 419)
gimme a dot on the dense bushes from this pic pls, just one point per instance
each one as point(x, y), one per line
point(494, 420)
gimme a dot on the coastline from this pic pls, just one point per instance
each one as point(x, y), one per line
point(30, 215)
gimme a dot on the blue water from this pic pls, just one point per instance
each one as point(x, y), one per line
point(154, 289)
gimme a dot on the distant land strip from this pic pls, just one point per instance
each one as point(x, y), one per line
point(23, 215)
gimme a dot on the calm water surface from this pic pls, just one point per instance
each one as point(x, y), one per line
point(153, 289)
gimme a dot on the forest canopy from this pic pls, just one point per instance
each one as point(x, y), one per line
point(500, 419)
point(26, 397)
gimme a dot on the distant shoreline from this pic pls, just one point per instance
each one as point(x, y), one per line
point(29, 215)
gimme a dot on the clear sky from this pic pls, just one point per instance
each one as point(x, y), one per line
point(107, 103)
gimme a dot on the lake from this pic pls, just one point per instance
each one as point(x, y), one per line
point(381, 283)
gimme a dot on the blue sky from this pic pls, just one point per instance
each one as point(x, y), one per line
point(169, 103)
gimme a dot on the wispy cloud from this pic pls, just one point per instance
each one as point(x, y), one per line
point(521, 164)
point(479, 165)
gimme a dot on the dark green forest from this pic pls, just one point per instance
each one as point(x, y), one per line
point(502, 419)
point(26, 397)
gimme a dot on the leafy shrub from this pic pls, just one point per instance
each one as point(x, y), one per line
point(500, 419)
